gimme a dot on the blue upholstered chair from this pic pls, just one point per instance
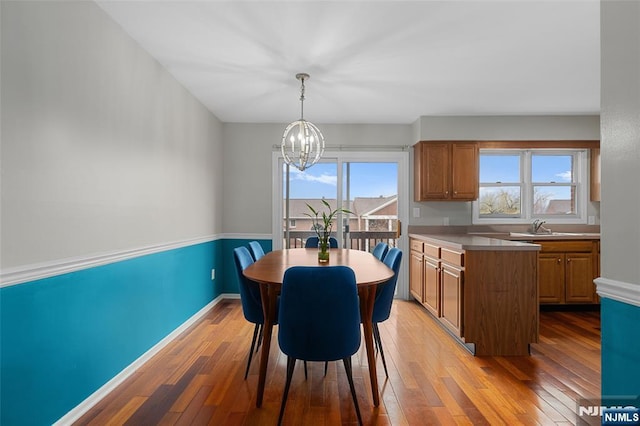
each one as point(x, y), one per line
point(250, 298)
point(256, 250)
point(312, 242)
point(380, 250)
point(384, 298)
point(319, 320)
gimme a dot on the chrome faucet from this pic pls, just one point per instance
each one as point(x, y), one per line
point(536, 227)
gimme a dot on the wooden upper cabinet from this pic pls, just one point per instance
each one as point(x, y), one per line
point(445, 171)
point(431, 171)
point(464, 171)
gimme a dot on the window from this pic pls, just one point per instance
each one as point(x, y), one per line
point(518, 186)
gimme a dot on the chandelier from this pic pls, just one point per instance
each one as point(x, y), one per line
point(302, 142)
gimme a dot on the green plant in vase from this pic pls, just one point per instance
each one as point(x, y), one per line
point(322, 225)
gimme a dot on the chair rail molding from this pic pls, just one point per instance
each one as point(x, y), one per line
point(618, 290)
point(32, 272)
point(242, 236)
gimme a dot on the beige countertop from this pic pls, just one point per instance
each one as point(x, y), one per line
point(476, 242)
point(525, 236)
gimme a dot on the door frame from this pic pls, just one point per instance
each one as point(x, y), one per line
point(355, 156)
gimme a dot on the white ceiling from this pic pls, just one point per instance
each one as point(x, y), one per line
point(375, 61)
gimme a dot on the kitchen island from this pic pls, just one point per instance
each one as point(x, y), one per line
point(484, 291)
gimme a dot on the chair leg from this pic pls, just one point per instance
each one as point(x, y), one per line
point(305, 370)
point(259, 337)
point(376, 337)
point(347, 367)
point(291, 362)
point(256, 331)
point(326, 363)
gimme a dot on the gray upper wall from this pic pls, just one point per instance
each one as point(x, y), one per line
point(102, 149)
point(620, 145)
point(248, 151)
point(248, 170)
point(536, 127)
point(546, 127)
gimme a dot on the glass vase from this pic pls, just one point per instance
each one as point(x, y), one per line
point(323, 252)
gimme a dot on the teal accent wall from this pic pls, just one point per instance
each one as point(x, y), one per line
point(620, 348)
point(231, 284)
point(66, 336)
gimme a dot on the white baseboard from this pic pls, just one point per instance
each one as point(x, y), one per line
point(230, 296)
point(618, 290)
point(82, 408)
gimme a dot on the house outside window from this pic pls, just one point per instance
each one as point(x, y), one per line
point(519, 186)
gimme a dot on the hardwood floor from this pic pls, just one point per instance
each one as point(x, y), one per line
point(199, 378)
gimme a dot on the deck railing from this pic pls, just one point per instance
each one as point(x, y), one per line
point(359, 240)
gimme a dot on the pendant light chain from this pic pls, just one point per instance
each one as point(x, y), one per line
point(302, 98)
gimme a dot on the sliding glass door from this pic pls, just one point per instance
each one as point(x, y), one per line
point(370, 189)
point(304, 189)
point(372, 185)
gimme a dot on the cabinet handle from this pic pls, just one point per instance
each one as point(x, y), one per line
point(569, 260)
point(455, 192)
point(559, 260)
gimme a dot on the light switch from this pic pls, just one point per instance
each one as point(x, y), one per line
point(416, 212)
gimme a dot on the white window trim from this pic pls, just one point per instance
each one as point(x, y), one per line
point(581, 176)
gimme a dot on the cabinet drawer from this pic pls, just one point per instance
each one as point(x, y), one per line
point(565, 246)
point(431, 250)
point(452, 257)
point(416, 245)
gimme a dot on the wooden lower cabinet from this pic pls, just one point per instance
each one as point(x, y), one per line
point(551, 273)
point(452, 298)
point(431, 299)
point(416, 281)
point(501, 308)
point(579, 286)
point(486, 299)
point(566, 271)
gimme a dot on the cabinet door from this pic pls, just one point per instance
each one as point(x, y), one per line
point(415, 276)
point(464, 171)
point(579, 278)
point(551, 277)
point(432, 171)
point(432, 285)
point(452, 300)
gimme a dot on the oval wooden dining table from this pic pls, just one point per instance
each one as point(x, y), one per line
point(269, 270)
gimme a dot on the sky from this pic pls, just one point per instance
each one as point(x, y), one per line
point(367, 180)
point(376, 179)
point(544, 169)
point(505, 168)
